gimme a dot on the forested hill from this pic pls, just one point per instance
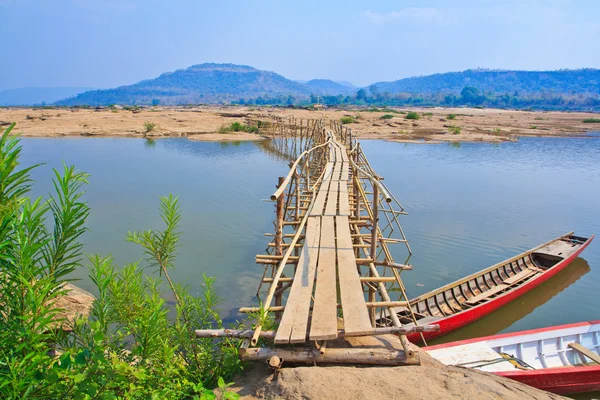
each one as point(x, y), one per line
point(558, 82)
point(239, 84)
point(203, 83)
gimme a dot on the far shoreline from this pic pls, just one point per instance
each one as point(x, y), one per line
point(424, 125)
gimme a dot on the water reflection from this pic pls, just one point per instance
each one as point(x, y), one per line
point(521, 307)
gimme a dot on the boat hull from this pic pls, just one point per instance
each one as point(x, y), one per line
point(465, 317)
point(559, 380)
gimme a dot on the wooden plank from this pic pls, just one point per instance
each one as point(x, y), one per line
point(336, 149)
point(344, 206)
point(324, 315)
point(328, 171)
point(345, 172)
point(332, 199)
point(519, 277)
point(344, 155)
point(354, 309)
point(294, 323)
point(486, 294)
point(586, 352)
point(319, 203)
point(337, 170)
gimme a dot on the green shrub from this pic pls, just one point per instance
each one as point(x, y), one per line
point(592, 120)
point(455, 130)
point(451, 116)
point(427, 114)
point(412, 115)
point(539, 118)
point(533, 127)
point(238, 127)
point(347, 120)
point(386, 116)
point(133, 345)
point(149, 126)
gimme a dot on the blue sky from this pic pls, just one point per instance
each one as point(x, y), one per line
point(105, 43)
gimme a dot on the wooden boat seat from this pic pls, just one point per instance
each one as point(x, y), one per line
point(518, 277)
point(485, 295)
point(585, 352)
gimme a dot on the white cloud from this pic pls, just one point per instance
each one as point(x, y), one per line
point(414, 14)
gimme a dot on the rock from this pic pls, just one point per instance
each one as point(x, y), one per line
point(442, 120)
point(4, 123)
point(415, 124)
point(77, 302)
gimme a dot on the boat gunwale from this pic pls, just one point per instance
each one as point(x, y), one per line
point(477, 274)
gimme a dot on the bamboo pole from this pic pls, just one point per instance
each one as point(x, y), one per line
point(332, 355)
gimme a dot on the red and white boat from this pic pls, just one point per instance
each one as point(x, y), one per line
point(560, 359)
point(469, 299)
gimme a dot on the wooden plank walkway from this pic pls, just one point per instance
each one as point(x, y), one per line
point(326, 263)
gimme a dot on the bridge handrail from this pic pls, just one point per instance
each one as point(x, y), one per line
point(372, 177)
point(287, 179)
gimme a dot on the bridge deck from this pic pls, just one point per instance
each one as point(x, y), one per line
point(326, 263)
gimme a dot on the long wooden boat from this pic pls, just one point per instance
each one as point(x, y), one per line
point(469, 299)
point(560, 359)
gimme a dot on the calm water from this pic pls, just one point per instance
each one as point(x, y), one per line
point(470, 206)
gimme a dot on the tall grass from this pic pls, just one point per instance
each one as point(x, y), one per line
point(129, 346)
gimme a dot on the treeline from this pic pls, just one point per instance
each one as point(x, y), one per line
point(469, 96)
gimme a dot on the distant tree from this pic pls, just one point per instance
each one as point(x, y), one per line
point(471, 95)
point(313, 99)
point(361, 95)
point(374, 90)
point(155, 102)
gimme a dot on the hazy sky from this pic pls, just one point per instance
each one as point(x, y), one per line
point(105, 43)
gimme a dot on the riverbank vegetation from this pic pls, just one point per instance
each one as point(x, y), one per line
point(132, 344)
point(238, 127)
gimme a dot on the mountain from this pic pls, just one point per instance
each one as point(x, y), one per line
point(329, 87)
point(561, 81)
point(203, 83)
point(37, 95)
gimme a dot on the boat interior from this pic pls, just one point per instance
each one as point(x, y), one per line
point(486, 285)
point(560, 347)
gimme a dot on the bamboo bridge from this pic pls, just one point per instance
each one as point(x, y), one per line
point(329, 270)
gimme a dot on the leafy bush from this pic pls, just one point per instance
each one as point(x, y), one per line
point(451, 116)
point(592, 120)
point(149, 126)
point(539, 118)
point(533, 127)
point(455, 130)
point(412, 115)
point(386, 116)
point(427, 114)
point(129, 346)
point(347, 120)
point(238, 127)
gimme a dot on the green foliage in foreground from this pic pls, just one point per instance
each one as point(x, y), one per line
point(238, 127)
point(132, 345)
point(412, 115)
point(592, 120)
point(347, 120)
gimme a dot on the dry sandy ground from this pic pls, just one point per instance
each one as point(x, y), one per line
point(430, 380)
point(202, 122)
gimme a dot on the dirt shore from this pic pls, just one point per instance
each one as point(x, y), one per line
point(430, 380)
point(203, 122)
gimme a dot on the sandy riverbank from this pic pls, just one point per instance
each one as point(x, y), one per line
point(430, 380)
point(203, 122)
